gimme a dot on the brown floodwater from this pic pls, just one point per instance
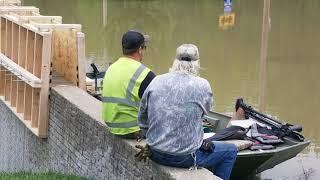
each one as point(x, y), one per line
point(285, 83)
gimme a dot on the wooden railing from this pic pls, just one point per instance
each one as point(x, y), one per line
point(33, 47)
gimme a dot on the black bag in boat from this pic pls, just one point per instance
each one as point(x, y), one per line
point(232, 132)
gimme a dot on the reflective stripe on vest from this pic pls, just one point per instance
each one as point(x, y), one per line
point(119, 101)
point(123, 125)
point(130, 87)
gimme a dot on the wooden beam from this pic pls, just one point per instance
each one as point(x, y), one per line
point(14, 55)
point(57, 26)
point(81, 61)
point(35, 107)
point(8, 74)
point(10, 3)
point(41, 19)
point(2, 80)
point(15, 42)
point(20, 96)
point(3, 35)
point(45, 77)
point(13, 91)
point(22, 10)
point(22, 47)
point(7, 90)
point(15, 18)
point(23, 74)
point(38, 56)
point(27, 102)
point(9, 39)
point(30, 51)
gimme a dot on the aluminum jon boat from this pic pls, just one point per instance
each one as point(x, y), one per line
point(249, 163)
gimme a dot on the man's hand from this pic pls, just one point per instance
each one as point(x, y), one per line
point(207, 146)
point(143, 154)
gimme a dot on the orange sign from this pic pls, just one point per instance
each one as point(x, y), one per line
point(227, 20)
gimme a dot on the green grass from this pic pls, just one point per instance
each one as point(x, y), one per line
point(38, 176)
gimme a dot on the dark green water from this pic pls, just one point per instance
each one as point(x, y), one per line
point(288, 87)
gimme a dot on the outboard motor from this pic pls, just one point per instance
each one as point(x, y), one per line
point(95, 75)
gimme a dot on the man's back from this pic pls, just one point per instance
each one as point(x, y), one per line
point(176, 103)
point(120, 95)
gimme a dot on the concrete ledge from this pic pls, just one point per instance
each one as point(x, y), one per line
point(78, 143)
point(92, 107)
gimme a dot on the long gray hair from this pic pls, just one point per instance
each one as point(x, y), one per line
point(187, 60)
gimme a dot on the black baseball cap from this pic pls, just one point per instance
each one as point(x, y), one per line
point(133, 40)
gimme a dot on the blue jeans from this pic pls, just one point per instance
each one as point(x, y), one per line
point(220, 161)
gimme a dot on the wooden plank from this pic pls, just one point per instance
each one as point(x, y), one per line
point(15, 42)
point(22, 10)
point(2, 80)
point(65, 54)
point(7, 90)
point(13, 91)
point(81, 61)
point(45, 77)
point(20, 96)
point(38, 56)
point(22, 47)
point(10, 3)
point(58, 63)
point(27, 102)
point(41, 19)
point(3, 35)
point(25, 75)
point(30, 51)
point(0, 34)
point(57, 26)
point(21, 62)
point(35, 107)
point(15, 18)
point(9, 40)
point(14, 57)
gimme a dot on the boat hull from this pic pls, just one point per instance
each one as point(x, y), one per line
point(250, 163)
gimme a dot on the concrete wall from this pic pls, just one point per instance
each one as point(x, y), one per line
point(78, 143)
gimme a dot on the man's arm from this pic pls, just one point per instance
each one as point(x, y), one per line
point(145, 83)
point(143, 115)
point(208, 98)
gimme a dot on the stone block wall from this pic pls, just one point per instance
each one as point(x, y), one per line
point(78, 143)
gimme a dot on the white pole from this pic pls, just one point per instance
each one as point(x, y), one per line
point(105, 14)
point(266, 25)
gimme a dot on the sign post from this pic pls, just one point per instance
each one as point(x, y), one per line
point(227, 20)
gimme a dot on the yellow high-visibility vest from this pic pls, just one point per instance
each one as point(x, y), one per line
point(120, 97)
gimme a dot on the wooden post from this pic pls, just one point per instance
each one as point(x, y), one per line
point(14, 55)
point(3, 35)
point(29, 66)
point(37, 72)
point(44, 93)
point(20, 96)
point(21, 61)
point(35, 107)
point(81, 61)
point(30, 51)
point(8, 81)
point(9, 40)
point(2, 80)
point(27, 102)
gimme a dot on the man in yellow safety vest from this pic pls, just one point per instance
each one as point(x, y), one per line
point(123, 86)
